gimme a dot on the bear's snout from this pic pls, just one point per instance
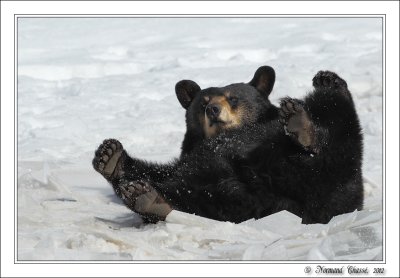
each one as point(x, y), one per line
point(213, 110)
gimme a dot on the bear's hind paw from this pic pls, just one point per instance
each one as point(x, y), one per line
point(107, 158)
point(142, 198)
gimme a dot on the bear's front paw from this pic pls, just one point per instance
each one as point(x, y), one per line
point(297, 122)
point(107, 159)
point(142, 198)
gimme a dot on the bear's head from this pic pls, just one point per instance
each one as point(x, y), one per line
point(213, 110)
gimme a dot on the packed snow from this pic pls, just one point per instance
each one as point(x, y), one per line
point(81, 80)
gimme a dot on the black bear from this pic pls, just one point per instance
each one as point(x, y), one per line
point(242, 157)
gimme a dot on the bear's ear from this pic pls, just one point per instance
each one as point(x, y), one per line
point(264, 80)
point(186, 90)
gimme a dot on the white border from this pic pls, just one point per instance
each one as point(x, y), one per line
point(8, 9)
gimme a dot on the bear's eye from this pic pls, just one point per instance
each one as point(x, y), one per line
point(233, 101)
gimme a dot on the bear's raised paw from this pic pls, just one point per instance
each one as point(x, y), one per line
point(331, 81)
point(107, 158)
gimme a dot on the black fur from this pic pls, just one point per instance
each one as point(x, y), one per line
point(304, 157)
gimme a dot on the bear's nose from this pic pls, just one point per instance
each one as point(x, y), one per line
point(213, 110)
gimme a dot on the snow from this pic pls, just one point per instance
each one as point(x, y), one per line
point(83, 80)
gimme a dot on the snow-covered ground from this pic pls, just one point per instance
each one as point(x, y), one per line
point(83, 80)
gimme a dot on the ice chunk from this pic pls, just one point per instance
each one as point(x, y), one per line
point(283, 223)
point(179, 217)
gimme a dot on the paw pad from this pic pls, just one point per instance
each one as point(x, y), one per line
point(296, 122)
point(107, 156)
point(143, 198)
point(328, 79)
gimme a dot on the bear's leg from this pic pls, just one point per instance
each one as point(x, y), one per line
point(126, 175)
point(298, 124)
point(113, 162)
point(228, 200)
point(337, 189)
